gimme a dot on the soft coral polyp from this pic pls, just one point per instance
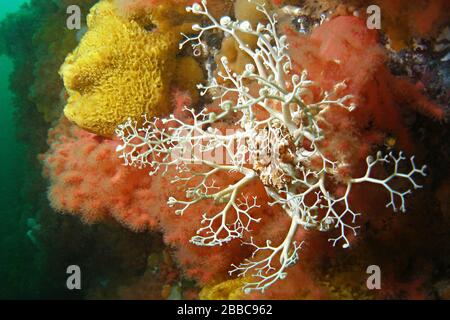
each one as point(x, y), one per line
point(343, 49)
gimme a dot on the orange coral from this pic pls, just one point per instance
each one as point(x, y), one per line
point(403, 20)
point(343, 49)
point(88, 180)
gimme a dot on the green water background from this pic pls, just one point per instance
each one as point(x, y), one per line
point(16, 257)
point(10, 149)
point(34, 256)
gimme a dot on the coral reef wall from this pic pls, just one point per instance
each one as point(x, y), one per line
point(98, 190)
point(76, 203)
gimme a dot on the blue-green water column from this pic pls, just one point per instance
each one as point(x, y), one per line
point(10, 149)
point(12, 174)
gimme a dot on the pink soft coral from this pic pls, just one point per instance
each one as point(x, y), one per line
point(343, 49)
point(87, 179)
point(404, 20)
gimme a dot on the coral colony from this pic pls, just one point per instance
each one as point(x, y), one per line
point(235, 150)
point(276, 178)
point(266, 125)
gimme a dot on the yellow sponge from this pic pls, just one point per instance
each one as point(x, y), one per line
point(122, 68)
point(227, 290)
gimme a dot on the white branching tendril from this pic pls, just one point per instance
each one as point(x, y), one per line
point(278, 150)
